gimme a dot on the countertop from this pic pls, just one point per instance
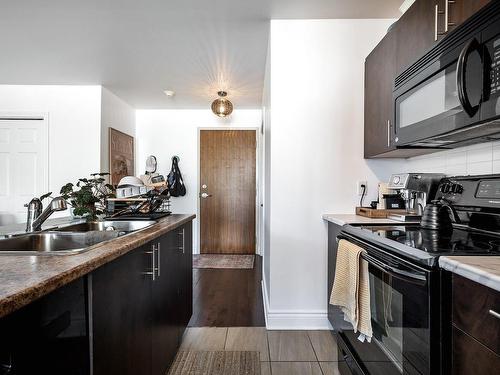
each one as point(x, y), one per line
point(25, 278)
point(484, 270)
point(342, 219)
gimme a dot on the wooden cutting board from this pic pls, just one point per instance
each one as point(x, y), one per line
point(377, 214)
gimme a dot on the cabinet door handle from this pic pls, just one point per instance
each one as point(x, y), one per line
point(158, 249)
point(183, 241)
point(152, 273)
point(436, 14)
point(494, 313)
point(447, 22)
point(388, 133)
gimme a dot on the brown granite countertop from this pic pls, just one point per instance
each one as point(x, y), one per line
point(25, 278)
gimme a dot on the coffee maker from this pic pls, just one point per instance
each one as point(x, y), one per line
point(417, 189)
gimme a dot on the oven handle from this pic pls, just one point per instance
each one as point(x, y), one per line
point(472, 45)
point(393, 271)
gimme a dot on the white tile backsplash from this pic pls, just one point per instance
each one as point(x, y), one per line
point(482, 158)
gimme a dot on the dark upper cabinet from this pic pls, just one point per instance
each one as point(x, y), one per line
point(460, 10)
point(423, 25)
point(415, 33)
point(426, 22)
point(379, 82)
point(122, 314)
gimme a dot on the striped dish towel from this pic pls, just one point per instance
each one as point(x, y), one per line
point(351, 289)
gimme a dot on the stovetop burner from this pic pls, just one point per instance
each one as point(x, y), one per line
point(455, 242)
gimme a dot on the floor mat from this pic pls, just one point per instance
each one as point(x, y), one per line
point(215, 363)
point(223, 261)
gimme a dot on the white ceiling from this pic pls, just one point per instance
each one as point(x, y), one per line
point(138, 48)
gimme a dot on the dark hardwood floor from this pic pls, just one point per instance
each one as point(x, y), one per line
point(228, 298)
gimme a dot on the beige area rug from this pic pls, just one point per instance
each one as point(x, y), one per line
point(215, 363)
point(223, 261)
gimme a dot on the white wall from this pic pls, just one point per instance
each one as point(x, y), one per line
point(115, 113)
point(74, 118)
point(483, 158)
point(266, 181)
point(317, 72)
point(165, 133)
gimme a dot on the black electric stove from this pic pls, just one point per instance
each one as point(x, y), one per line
point(477, 203)
point(408, 299)
point(457, 242)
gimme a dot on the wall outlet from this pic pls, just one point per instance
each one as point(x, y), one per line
point(359, 187)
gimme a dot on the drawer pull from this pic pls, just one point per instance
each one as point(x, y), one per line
point(494, 313)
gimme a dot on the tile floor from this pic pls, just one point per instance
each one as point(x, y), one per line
point(281, 352)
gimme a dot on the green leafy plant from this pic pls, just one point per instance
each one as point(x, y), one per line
point(88, 195)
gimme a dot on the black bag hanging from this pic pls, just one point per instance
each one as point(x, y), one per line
point(176, 185)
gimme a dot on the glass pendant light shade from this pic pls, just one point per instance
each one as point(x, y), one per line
point(222, 107)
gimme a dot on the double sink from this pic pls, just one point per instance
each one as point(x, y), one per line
point(69, 239)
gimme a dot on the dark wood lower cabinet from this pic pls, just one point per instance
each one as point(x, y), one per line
point(116, 320)
point(137, 320)
point(475, 328)
point(186, 265)
point(49, 336)
point(121, 308)
point(471, 357)
point(172, 301)
point(166, 304)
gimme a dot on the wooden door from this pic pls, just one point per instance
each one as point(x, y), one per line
point(379, 84)
point(227, 191)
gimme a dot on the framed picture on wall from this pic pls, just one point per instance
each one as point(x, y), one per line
point(121, 155)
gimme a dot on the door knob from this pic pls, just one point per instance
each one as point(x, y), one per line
point(205, 195)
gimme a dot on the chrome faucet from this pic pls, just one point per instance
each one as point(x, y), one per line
point(36, 217)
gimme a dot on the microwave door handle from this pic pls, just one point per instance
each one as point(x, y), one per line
point(395, 272)
point(472, 45)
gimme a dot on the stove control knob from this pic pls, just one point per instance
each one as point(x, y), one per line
point(457, 189)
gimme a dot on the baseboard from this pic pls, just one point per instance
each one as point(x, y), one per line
point(293, 320)
point(265, 298)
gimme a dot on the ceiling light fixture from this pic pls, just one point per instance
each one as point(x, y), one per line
point(169, 93)
point(221, 106)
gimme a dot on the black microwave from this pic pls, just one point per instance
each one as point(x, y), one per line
point(451, 96)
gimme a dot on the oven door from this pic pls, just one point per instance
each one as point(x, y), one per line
point(402, 317)
point(443, 97)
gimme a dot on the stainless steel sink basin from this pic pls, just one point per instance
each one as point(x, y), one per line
point(108, 225)
point(54, 243)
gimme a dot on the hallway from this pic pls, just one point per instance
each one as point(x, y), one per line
point(228, 297)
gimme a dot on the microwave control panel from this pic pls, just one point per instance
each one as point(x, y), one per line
point(495, 68)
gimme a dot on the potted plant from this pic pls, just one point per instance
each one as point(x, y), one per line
point(87, 197)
